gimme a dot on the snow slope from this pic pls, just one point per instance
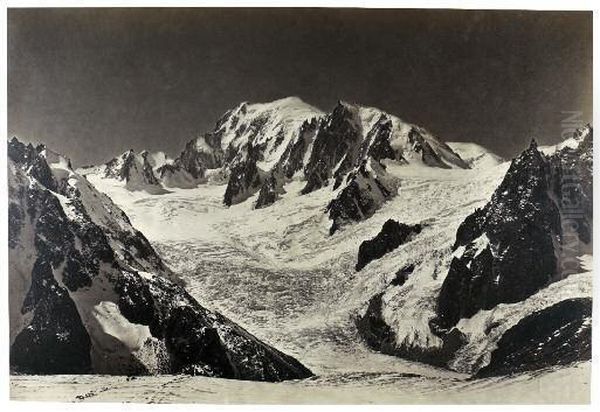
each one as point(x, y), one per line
point(476, 156)
point(273, 125)
point(547, 387)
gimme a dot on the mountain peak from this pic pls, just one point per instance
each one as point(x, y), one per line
point(533, 144)
point(289, 100)
point(288, 107)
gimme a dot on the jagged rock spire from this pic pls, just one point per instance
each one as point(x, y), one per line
point(533, 144)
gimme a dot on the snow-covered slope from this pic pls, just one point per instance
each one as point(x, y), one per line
point(190, 167)
point(476, 156)
point(278, 272)
point(271, 126)
point(90, 294)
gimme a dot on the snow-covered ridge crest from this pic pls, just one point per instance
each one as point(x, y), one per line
point(273, 128)
point(271, 124)
point(268, 145)
point(476, 156)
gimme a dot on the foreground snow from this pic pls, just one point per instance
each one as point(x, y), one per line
point(374, 388)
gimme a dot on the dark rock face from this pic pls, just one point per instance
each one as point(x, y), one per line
point(557, 335)
point(196, 346)
point(88, 271)
point(167, 170)
point(31, 155)
point(402, 275)
point(337, 136)
point(15, 222)
point(374, 330)
point(291, 162)
point(245, 179)
point(379, 336)
point(342, 150)
point(509, 246)
point(199, 155)
point(572, 184)
point(375, 147)
point(429, 155)
point(195, 160)
point(392, 235)
point(270, 191)
point(293, 158)
point(147, 171)
point(379, 139)
point(136, 302)
point(365, 191)
point(55, 340)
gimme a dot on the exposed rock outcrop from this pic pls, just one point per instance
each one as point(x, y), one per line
point(379, 336)
point(513, 246)
point(558, 335)
point(270, 191)
point(132, 168)
point(189, 168)
point(245, 179)
point(392, 235)
point(365, 190)
point(337, 140)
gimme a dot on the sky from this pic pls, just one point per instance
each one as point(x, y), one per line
point(92, 83)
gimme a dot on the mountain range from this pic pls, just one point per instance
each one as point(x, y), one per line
point(258, 148)
point(435, 252)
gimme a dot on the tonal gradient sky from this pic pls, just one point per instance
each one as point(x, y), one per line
point(92, 83)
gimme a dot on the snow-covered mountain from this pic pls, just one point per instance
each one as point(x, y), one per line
point(259, 148)
point(89, 294)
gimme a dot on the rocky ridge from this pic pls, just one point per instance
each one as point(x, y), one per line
point(530, 235)
point(88, 293)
